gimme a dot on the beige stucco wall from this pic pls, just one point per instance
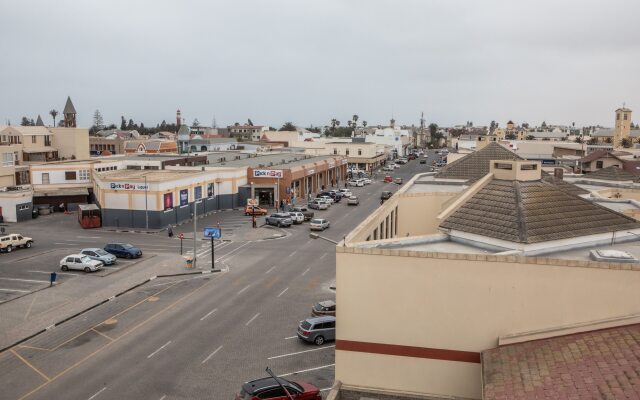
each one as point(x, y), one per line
point(450, 301)
point(71, 142)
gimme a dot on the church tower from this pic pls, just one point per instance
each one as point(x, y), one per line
point(623, 126)
point(69, 114)
point(178, 119)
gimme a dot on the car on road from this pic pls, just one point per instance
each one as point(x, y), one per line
point(318, 329)
point(318, 204)
point(327, 199)
point(123, 250)
point(308, 215)
point(14, 241)
point(396, 166)
point(356, 182)
point(279, 219)
point(441, 164)
point(385, 195)
point(423, 161)
point(353, 201)
point(327, 307)
point(367, 181)
point(388, 167)
point(401, 161)
point(98, 254)
point(346, 192)
point(388, 178)
point(319, 224)
point(251, 210)
point(336, 194)
point(297, 217)
point(412, 157)
point(80, 262)
point(398, 181)
point(269, 388)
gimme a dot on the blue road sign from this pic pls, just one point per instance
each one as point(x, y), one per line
point(213, 233)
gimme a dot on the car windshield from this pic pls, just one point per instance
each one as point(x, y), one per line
point(305, 325)
point(85, 259)
point(100, 252)
point(316, 221)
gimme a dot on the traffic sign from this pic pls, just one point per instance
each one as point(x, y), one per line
point(181, 236)
point(213, 233)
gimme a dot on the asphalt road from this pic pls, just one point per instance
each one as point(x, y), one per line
point(194, 337)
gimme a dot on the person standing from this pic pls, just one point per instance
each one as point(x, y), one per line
point(170, 231)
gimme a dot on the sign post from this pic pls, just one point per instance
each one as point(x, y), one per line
point(181, 236)
point(213, 233)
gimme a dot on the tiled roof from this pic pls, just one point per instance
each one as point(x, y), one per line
point(612, 173)
point(476, 165)
point(533, 212)
point(594, 155)
point(565, 186)
point(601, 364)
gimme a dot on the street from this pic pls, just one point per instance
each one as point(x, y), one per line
point(183, 337)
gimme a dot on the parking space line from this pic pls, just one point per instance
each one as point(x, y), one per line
point(26, 315)
point(301, 352)
point(69, 244)
point(270, 269)
point(33, 347)
point(161, 347)
point(305, 271)
point(281, 293)
point(251, 320)
point(24, 280)
point(294, 252)
point(163, 397)
point(309, 369)
point(96, 395)
point(211, 355)
point(323, 256)
point(290, 337)
point(14, 290)
point(209, 313)
point(232, 251)
point(244, 288)
point(102, 334)
point(30, 366)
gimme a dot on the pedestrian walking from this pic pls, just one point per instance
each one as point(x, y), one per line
point(253, 221)
point(170, 231)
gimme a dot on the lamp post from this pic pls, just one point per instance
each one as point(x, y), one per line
point(316, 236)
point(195, 217)
point(146, 205)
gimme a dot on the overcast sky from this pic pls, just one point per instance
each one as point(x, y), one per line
point(311, 61)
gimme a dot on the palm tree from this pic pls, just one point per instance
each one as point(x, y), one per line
point(364, 124)
point(355, 118)
point(54, 114)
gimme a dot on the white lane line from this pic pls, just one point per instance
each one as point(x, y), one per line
point(300, 352)
point(323, 256)
point(49, 272)
point(211, 355)
point(89, 237)
point(270, 269)
point(209, 313)
point(292, 254)
point(69, 244)
point(161, 347)
point(305, 271)
point(307, 370)
point(251, 320)
point(14, 290)
point(232, 251)
point(281, 293)
point(99, 391)
point(163, 397)
point(322, 390)
point(244, 288)
point(290, 337)
point(24, 280)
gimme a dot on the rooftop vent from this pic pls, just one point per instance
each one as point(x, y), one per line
point(612, 256)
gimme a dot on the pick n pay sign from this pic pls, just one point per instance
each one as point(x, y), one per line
point(267, 173)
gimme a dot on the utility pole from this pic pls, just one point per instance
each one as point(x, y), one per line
point(195, 217)
point(146, 204)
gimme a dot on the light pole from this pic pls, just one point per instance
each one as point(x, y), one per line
point(195, 217)
point(316, 236)
point(146, 205)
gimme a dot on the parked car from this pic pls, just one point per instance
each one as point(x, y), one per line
point(14, 241)
point(396, 166)
point(336, 194)
point(388, 167)
point(319, 224)
point(335, 198)
point(385, 195)
point(441, 164)
point(99, 255)
point(297, 217)
point(327, 307)
point(80, 262)
point(317, 330)
point(423, 161)
point(353, 201)
point(346, 192)
point(308, 215)
point(401, 161)
point(269, 388)
point(318, 204)
point(412, 157)
point(327, 199)
point(388, 178)
point(251, 210)
point(398, 181)
point(366, 181)
point(279, 219)
point(356, 182)
point(123, 250)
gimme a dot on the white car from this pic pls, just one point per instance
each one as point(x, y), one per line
point(366, 181)
point(318, 204)
point(388, 167)
point(80, 262)
point(297, 217)
point(346, 192)
point(396, 166)
point(327, 199)
point(357, 183)
point(319, 224)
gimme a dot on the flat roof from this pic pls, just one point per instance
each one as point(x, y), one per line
point(290, 161)
point(151, 174)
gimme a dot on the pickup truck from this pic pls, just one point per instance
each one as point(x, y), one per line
point(13, 241)
point(308, 215)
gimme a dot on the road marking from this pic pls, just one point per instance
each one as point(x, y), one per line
point(270, 269)
point(102, 334)
point(305, 271)
point(211, 355)
point(26, 315)
point(89, 237)
point(291, 255)
point(281, 293)
point(96, 395)
point(161, 347)
point(322, 390)
point(323, 256)
point(244, 288)
point(232, 251)
point(307, 370)
point(163, 397)
point(30, 366)
point(24, 280)
point(209, 313)
point(300, 352)
point(290, 337)
point(14, 290)
point(69, 244)
point(58, 273)
point(309, 241)
point(251, 320)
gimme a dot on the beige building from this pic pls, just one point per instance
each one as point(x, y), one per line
point(36, 144)
point(478, 257)
point(622, 128)
point(360, 154)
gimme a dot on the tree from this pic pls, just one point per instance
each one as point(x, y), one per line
point(131, 125)
point(53, 113)
point(579, 139)
point(196, 123)
point(593, 141)
point(525, 125)
point(544, 124)
point(163, 125)
point(433, 129)
point(626, 143)
point(98, 121)
point(27, 122)
point(123, 123)
point(288, 126)
point(355, 119)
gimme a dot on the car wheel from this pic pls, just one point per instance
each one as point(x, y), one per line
point(28, 245)
point(278, 224)
point(87, 269)
point(128, 256)
point(319, 340)
point(9, 248)
point(64, 268)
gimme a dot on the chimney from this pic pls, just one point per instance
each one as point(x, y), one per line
point(558, 173)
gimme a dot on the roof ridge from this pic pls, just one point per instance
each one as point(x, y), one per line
point(522, 225)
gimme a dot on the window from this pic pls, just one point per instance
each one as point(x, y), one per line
point(599, 164)
point(84, 174)
point(33, 139)
point(47, 140)
point(624, 116)
point(70, 175)
point(335, 151)
point(346, 152)
point(359, 152)
point(7, 159)
point(45, 178)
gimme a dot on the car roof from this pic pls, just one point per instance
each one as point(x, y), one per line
point(327, 303)
point(90, 249)
point(252, 387)
point(75, 255)
point(315, 320)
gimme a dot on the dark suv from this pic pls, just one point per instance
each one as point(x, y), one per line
point(269, 388)
point(279, 219)
point(386, 195)
point(123, 250)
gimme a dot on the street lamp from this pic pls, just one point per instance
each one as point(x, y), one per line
point(146, 206)
point(316, 236)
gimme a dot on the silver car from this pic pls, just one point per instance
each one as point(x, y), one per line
point(319, 224)
point(317, 330)
point(297, 217)
point(99, 255)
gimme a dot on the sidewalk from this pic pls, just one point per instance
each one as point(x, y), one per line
point(34, 312)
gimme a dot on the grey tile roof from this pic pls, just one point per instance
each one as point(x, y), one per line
point(533, 212)
point(563, 185)
point(476, 165)
point(68, 107)
point(612, 173)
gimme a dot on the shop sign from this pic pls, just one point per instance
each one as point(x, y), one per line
point(197, 192)
point(331, 165)
point(252, 202)
point(184, 197)
point(344, 161)
point(128, 186)
point(168, 201)
point(268, 173)
point(310, 171)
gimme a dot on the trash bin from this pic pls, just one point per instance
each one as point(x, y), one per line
point(189, 262)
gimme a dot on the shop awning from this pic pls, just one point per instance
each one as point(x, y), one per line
point(61, 192)
point(39, 150)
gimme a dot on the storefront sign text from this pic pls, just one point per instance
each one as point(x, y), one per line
point(128, 186)
point(267, 173)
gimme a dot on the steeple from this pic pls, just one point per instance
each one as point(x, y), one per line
point(69, 114)
point(178, 119)
point(39, 121)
